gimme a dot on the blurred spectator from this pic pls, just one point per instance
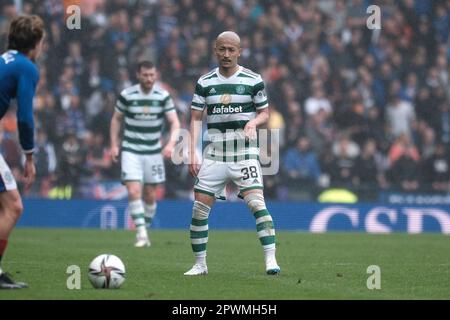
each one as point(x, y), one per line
point(301, 165)
point(368, 172)
point(404, 173)
point(409, 90)
point(71, 164)
point(341, 167)
point(276, 122)
point(319, 131)
point(443, 126)
point(400, 116)
point(98, 159)
point(436, 170)
point(400, 147)
point(294, 123)
point(427, 142)
point(345, 146)
point(45, 161)
point(318, 102)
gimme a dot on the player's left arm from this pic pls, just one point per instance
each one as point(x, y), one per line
point(26, 88)
point(262, 108)
point(251, 126)
point(174, 123)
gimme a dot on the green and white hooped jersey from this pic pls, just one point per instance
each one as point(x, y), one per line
point(230, 103)
point(144, 117)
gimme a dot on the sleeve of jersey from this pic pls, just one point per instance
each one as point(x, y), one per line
point(25, 93)
point(198, 101)
point(121, 103)
point(260, 95)
point(169, 106)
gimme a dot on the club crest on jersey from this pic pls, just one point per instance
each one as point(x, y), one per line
point(240, 89)
point(225, 99)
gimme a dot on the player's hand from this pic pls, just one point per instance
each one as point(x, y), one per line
point(114, 153)
point(194, 166)
point(29, 173)
point(167, 151)
point(250, 130)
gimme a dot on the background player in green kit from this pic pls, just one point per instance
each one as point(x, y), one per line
point(236, 104)
point(143, 108)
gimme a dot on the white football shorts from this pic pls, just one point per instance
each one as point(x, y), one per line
point(213, 176)
point(7, 181)
point(147, 169)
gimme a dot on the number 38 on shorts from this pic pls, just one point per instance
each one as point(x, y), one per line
point(215, 175)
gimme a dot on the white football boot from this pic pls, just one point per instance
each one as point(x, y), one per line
point(197, 270)
point(142, 242)
point(272, 267)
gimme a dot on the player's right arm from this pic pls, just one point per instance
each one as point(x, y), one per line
point(26, 87)
point(197, 107)
point(116, 123)
point(114, 131)
point(195, 129)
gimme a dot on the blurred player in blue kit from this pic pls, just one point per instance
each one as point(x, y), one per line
point(19, 77)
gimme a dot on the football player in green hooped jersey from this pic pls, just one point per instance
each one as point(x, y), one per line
point(236, 104)
point(143, 108)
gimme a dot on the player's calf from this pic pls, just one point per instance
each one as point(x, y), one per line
point(137, 214)
point(150, 212)
point(199, 238)
point(265, 229)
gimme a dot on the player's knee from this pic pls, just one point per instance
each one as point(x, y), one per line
point(18, 210)
point(134, 193)
point(255, 202)
point(200, 211)
point(15, 208)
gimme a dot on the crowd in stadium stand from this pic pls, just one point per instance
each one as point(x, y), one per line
point(361, 109)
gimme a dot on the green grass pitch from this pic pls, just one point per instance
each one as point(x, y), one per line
point(314, 266)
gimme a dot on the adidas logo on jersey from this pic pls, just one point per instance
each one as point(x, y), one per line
point(256, 181)
point(212, 91)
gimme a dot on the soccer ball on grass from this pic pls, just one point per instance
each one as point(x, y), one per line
point(106, 271)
